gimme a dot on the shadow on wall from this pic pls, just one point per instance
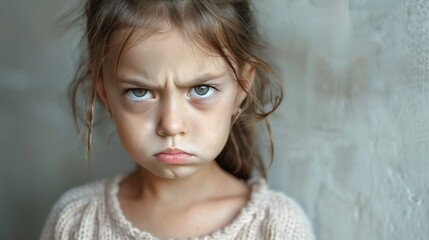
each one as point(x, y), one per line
point(42, 155)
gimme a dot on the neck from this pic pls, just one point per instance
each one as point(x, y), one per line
point(181, 191)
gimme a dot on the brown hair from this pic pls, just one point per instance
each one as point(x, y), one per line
point(226, 27)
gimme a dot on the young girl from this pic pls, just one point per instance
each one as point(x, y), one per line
point(184, 84)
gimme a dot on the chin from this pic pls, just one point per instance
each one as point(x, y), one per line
point(176, 172)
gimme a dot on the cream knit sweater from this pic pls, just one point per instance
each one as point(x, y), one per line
point(93, 212)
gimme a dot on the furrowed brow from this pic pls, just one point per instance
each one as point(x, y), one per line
point(197, 80)
point(141, 82)
point(205, 77)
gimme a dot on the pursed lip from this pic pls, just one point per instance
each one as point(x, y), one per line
point(172, 151)
point(173, 156)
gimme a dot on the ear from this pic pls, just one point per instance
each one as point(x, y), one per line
point(248, 75)
point(101, 92)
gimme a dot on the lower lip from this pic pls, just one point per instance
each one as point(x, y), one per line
point(173, 158)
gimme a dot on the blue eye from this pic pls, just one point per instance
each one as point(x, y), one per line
point(202, 91)
point(138, 94)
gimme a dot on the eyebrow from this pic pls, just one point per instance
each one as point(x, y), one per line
point(198, 79)
point(205, 77)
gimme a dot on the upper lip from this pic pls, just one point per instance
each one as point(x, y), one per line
point(172, 151)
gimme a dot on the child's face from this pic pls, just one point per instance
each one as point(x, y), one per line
point(169, 94)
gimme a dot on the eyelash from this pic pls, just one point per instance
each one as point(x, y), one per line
point(129, 91)
point(211, 87)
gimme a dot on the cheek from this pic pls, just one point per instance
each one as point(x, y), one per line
point(134, 131)
point(212, 126)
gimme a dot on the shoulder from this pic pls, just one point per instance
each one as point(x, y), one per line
point(82, 194)
point(76, 206)
point(74, 200)
point(285, 216)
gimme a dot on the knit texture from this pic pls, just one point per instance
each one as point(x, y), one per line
point(92, 211)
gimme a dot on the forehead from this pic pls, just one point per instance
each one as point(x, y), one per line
point(168, 50)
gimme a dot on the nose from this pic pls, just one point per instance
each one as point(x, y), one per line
point(171, 119)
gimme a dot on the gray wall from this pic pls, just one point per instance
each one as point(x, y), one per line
point(352, 136)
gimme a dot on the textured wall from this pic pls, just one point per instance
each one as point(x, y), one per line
point(352, 136)
point(41, 154)
point(354, 143)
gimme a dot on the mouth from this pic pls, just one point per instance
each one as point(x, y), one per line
point(173, 156)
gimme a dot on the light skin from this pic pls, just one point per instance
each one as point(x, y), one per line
point(167, 93)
